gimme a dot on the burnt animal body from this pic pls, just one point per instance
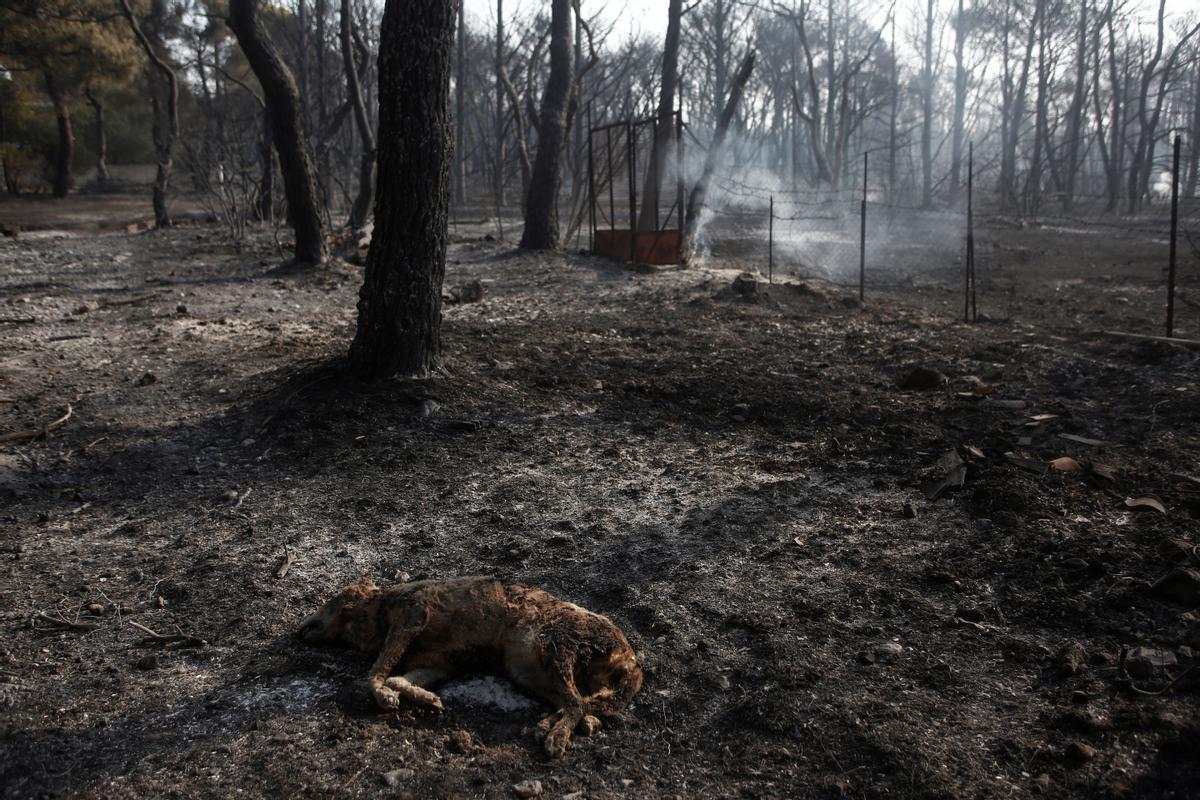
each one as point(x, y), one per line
point(428, 632)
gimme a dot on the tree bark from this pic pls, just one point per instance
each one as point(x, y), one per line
point(1075, 114)
point(101, 138)
point(287, 123)
point(664, 128)
point(399, 306)
point(541, 204)
point(960, 103)
point(64, 156)
point(460, 108)
point(1117, 84)
point(498, 177)
point(366, 171)
point(927, 112)
point(1193, 162)
point(164, 101)
point(265, 210)
point(1033, 180)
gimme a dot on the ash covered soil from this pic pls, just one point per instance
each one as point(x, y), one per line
point(734, 477)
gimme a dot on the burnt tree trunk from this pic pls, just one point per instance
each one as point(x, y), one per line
point(696, 199)
point(499, 175)
point(64, 156)
point(1076, 113)
point(400, 304)
point(265, 210)
point(164, 101)
point(101, 138)
point(366, 170)
point(460, 115)
point(541, 204)
point(927, 112)
point(958, 124)
point(664, 127)
point(287, 124)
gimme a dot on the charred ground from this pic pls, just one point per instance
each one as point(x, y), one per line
point(725, 474)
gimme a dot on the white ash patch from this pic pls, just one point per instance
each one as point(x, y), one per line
point(487, 691)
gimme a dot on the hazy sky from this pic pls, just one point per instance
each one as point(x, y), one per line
point(651, 15)
point(633, 15)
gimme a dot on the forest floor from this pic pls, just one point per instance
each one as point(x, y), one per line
point(734, 477)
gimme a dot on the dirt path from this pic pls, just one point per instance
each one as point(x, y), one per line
point(736, 481)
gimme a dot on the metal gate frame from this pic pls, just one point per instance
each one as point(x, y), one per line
point(663, 245)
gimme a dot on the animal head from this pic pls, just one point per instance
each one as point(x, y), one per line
point(350, 619)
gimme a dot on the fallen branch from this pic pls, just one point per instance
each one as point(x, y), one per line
point(131, 300)
point(285, 564)
point(1163, 690)
point(61, 623)
point(166, 639)
point(37, 433)
point(1147, 337)
point(242, 498)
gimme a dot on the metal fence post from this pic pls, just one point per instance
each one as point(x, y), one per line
point(862, 237)
point(631, 142)
point(591, 161)
point(1174, 236)
point(771, 241)
point(969, 261)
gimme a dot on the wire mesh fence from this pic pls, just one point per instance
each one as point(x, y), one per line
point(976, 256)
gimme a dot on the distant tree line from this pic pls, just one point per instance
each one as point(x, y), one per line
point(274, 110)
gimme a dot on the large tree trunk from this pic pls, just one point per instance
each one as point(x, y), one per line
point(1012, 111)
point(64, 157)
point(101, 138)
point(400, 304)
point(1118, 83)
point(498, 177)
point(664, 127)
point(1144, 149)
point(1075, 114)
point(541, 204)
point(460, 108)
point(265, 211)
point(366, 170)
point(960, 103)
point(893, 120)
point(287, 124)
point(927, 112)
point(1193, 162)
point(1033, 181)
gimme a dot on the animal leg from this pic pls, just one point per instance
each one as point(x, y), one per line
point(559, 737)
point(398, 639)
point(587, 726)
point(412, 686)
point(571, 708)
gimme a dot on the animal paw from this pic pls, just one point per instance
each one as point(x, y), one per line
point(386, 698)
point(557, 741)
point(430, 699)
point(587, 726)
point(543, 727)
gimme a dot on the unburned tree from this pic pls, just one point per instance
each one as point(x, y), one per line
point(400, 306)
point(72, 44)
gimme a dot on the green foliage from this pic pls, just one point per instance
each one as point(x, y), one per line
point(64, 46)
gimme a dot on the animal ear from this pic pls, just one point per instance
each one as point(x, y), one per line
point(366, 584)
